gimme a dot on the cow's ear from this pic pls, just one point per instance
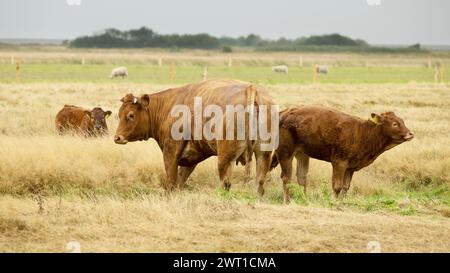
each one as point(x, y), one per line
point(144, 100)
point(108, 113)
point(88, 113)
point(375, 118)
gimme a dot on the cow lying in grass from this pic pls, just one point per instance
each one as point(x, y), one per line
point(348, 142)
point(81, 121)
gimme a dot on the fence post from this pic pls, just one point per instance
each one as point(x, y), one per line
point(205, 73)
point(160, 61)
point(429, 64)
point(17, 72)
point(230, 62)
point(300, 61)
point(314, 67)
point(12, 59)
point(82, 60)
point(171, 73)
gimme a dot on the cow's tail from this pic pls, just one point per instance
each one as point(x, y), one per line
point(252, 105)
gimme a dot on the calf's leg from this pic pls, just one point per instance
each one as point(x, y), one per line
point(347, 180)
point(339, 168)
point(302, 168)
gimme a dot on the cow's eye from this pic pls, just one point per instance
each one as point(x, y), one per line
point(394, 124)
point(130, 116)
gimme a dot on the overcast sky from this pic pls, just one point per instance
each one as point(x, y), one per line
point(391, 22)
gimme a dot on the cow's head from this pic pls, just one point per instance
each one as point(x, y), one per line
point(98, 120)
point(133, 119)
point(392, 126)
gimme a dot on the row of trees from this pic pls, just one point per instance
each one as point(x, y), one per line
point(145, 37)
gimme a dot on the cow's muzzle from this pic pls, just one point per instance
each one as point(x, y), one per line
point(408, 136)
point(118, 139)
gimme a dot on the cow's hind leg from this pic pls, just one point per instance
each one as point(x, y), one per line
point(302, 169)
point(227, 152)
point(262, 167)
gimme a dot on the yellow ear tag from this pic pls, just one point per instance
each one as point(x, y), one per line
point(375, 120)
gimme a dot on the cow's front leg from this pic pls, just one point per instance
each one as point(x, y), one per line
point(339, 168)
point(225, 173)
point(171, 155)
point(183, 175)
point(347, 180)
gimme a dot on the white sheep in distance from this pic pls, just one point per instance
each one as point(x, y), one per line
point(120, 71)
point(280, 69)
point(321, 69)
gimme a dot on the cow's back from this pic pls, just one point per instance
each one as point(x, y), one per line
point(320, 131)
point(72, 117)
point(221, 92)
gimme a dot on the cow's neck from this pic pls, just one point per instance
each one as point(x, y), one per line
point(155, 116)
point(372, 141)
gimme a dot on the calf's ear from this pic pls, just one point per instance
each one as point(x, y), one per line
point(108, 113)
point(144, 100)
point(375, 118)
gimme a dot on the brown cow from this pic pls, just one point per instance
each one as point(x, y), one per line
point(79, 120)
point(150, 116)
point(348, 142)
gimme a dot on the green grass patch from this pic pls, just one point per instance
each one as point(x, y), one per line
point(98, 73)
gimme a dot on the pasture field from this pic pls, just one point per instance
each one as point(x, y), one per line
point(108, 197)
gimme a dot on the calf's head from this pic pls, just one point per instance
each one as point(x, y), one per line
point(133, 119)
point(392, 127)
point(98, 120)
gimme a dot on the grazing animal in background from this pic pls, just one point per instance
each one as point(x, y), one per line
point(121, 71)
point(149, 116)
point(348, 142)
point(280, 69)
point(82, 121)
point(321, 69)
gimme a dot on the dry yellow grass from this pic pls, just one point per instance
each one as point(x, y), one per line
point(200, 222)
point(109, 198)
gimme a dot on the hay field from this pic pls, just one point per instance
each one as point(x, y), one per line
point(108, 197)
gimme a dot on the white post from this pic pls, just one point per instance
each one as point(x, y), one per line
point(230, 62)
point(82, 60)
point(300, 61)
point(12, 59)
point(205, 73)
point(160, 61)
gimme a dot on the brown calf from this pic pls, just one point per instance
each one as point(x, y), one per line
point(79, 120)
point(348, 142)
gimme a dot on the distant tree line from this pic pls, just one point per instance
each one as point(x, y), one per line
point(145, 37)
